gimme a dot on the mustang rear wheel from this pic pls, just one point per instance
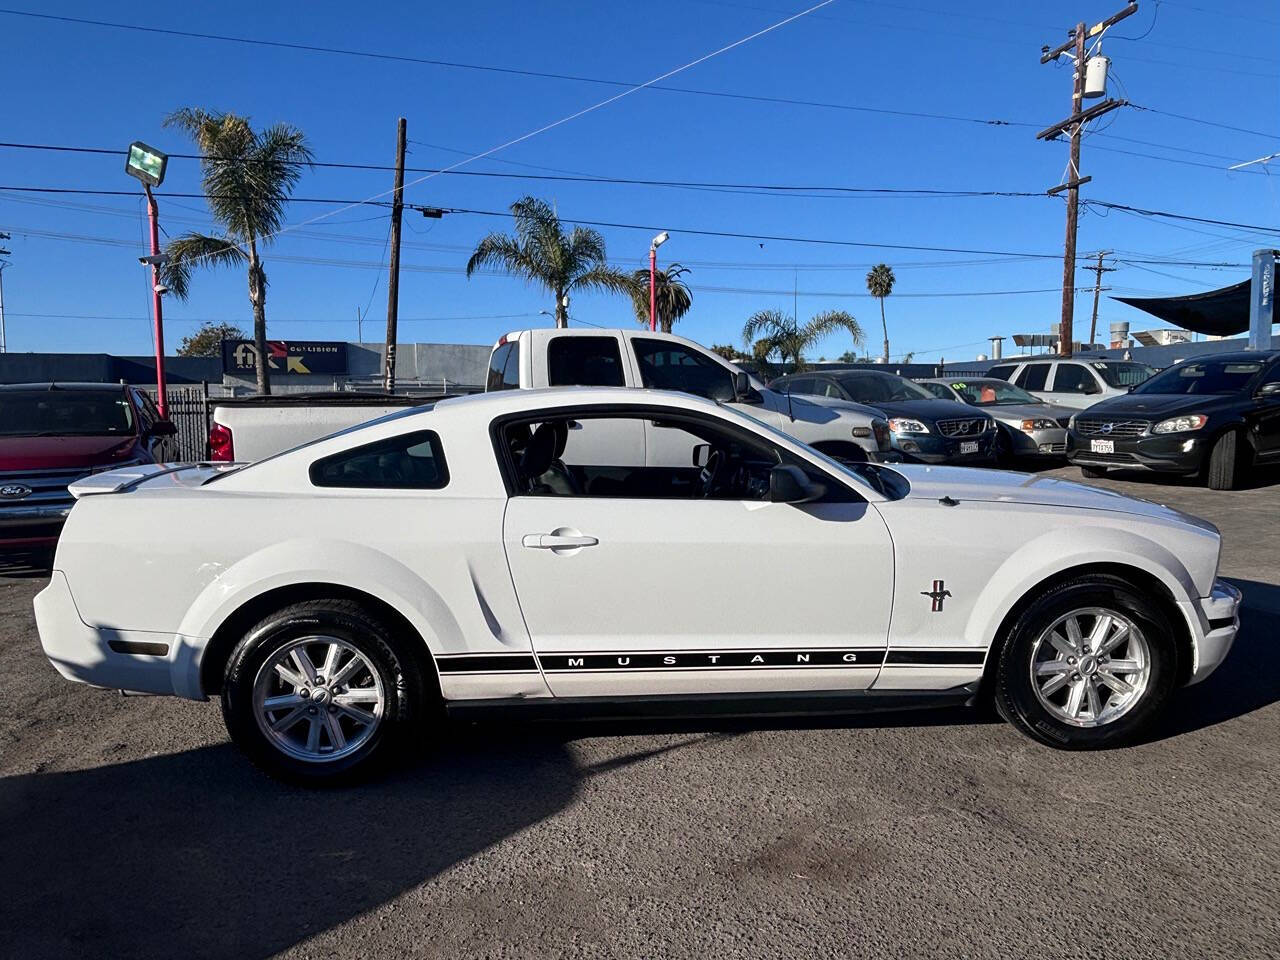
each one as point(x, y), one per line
point(320, 692)
point(1087, 665)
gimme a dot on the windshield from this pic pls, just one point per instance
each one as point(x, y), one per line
point(1221, 377)
point(1122, 374)
point(992, 393)
point(65, 413)
point(876, 388)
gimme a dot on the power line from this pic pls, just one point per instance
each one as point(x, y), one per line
point(1207, 123)
point(511, 71)
point(764, 188)
point(759, 237)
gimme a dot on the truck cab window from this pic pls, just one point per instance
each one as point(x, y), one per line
point(584, 362)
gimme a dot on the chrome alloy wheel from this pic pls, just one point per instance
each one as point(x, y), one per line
point(1090, 667)
point(318, 699)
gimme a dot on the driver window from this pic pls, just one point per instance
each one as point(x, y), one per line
point(722, 464)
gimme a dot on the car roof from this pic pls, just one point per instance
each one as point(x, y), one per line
point(1236, 356)
point(61, 385)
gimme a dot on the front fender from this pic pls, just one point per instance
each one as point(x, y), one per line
point(1065, 549)
point(300, 561)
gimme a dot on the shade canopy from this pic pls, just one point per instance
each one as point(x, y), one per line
point(1218, 313)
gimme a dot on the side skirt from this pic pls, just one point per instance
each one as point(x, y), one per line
point(693, 706)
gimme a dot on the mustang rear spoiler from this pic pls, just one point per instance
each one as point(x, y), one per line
point(126, 478)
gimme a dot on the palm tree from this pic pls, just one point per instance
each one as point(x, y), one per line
point(770, 332)
point(542, 253)
point(247, 176)
point(880, 280)
point(671, 293)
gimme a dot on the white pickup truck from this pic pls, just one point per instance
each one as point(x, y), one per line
point(248, 429)
point(529, 359)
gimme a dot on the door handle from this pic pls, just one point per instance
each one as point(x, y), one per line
point(556, 541)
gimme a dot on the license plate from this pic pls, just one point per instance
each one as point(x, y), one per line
point(1102, 446)
point(969, 446)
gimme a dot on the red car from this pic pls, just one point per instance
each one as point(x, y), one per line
point(52, 434)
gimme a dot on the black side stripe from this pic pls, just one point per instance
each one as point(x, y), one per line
point(936, 658)
point(707, 660)
point(711, 660)
point(491, 663)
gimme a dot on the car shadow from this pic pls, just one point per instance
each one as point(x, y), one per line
point(1248, 680)
point(197, 854)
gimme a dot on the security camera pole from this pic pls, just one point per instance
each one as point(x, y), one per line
point(4, 343)
point(658, 241)
point(147, 165)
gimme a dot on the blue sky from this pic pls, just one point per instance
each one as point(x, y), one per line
point(74, 283)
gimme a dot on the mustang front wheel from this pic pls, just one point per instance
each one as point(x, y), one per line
point(1087, 665)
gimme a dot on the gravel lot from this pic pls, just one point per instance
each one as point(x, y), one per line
point(132, 828)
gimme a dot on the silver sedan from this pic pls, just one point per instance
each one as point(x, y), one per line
point(1032, 427)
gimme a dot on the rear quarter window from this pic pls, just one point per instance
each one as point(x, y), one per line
point(1033, 376)
point(413, 461)
point(1002, 371)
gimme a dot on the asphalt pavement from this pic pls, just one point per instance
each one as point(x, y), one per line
point(131, 827)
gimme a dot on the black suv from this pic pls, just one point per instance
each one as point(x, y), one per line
point(1214, 416)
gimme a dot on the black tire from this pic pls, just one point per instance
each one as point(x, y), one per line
point(1093, 473)
point(1225, 466)
point(1016, 698)
point(404, 692)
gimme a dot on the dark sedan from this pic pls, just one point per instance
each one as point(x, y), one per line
point(1212, 416)
point(921, 426)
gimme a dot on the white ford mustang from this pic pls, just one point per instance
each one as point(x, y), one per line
point(482, 552)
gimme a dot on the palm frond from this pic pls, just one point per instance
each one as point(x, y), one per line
point(832, 321)
point(505, 253)
point(605, 279)
point(192, 250)
point(765, 322)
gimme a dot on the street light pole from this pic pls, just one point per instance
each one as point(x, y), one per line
point(658, 241)
point(4, 340)
point(153, 218)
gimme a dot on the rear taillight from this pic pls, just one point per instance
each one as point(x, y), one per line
point(220, 446)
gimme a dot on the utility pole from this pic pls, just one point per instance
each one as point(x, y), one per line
point(1099, 270)
point(1074, 125)
point(393, 281)
point(4, 341)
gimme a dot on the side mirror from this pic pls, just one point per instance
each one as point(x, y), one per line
point(162, 428)
point(789, 484)
point(701, 454)
point(741, 385)
point(1269, 389)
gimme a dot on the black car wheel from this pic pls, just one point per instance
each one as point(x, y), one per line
point(1225, 465)
point(322, 692)
point(1087, 665)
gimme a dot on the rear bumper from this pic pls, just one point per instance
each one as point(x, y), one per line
point(1214, 621)
point(1166, 453)
point(137, 661)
